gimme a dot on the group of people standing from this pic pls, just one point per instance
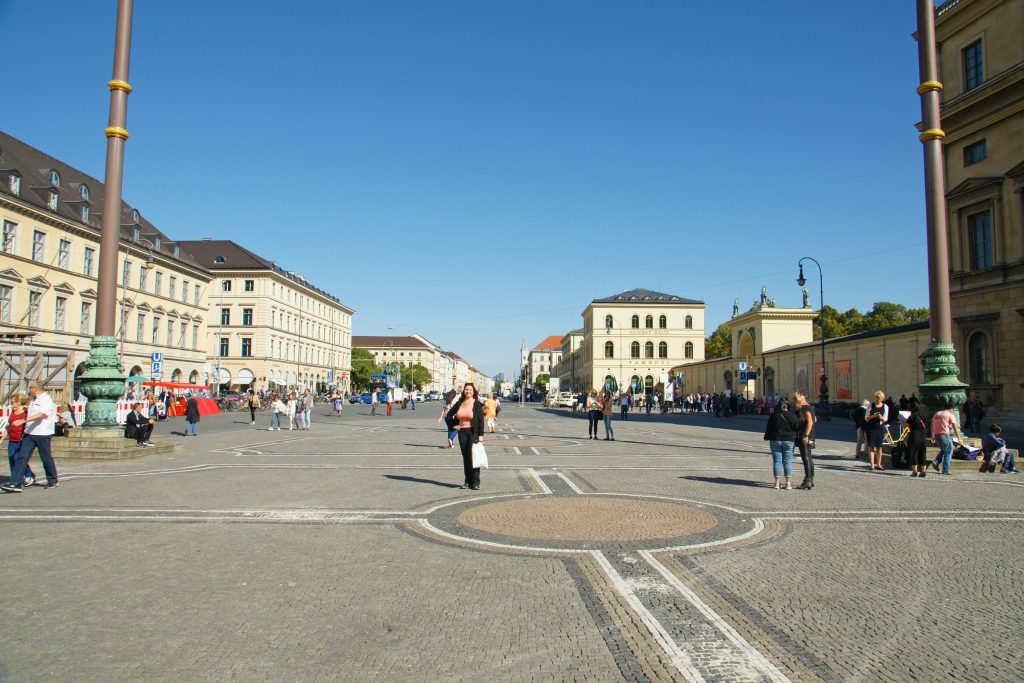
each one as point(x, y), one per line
point(296, 408)
point(791, 428)
point(598, 408)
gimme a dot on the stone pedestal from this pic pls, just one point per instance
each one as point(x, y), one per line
point(102, 384)
point(941, 385)
point(106, 444)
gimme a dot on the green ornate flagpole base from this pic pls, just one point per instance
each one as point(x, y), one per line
point(102, 384)
point(941, 386)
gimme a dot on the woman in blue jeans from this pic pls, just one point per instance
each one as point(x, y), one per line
point(780, 434)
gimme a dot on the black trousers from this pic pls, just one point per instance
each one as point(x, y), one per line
point(624, 414)
point(918, 452)
point(593, 419)
point(466, 441)
point(142, 432)
point(808, 459)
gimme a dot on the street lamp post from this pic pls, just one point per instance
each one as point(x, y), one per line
point(823, 410)
point(103, 381)
point(941, 385)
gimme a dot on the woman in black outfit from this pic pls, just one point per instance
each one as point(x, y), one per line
point(468, 416)
point(917, 440)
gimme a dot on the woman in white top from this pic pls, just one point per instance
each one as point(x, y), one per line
point(277, 408)
point(292, 406)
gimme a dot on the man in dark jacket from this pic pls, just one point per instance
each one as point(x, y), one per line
point(139, 426)
point(191, 415)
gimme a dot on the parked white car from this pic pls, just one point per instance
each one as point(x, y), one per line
point(564, 400)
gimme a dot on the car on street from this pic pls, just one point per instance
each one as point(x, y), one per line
point(433, 396)
point(564, 400)
point(364, 397)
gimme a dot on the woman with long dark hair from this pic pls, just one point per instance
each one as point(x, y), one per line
point(467, 414)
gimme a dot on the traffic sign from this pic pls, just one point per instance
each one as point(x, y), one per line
point(157, 357)
point(743, 365)
point(157, 367)
point(743, 377)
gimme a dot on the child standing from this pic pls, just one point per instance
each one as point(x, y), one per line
point(994, 448)
point(293, 405)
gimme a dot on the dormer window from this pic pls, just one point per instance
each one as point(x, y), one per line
point(85, 213)
point(54, 178)
point(14, 182)
point(136, 233)
point(135, 215)
point(218, 259)
point(156, 242)
point(83, 191)
point(52, 202)
point(177, 251)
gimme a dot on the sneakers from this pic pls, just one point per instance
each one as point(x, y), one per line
point(270, 429)
point(53, 485)
point(10, 488)
point(28, 482)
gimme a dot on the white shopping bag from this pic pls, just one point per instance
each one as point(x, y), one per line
point(479, 455)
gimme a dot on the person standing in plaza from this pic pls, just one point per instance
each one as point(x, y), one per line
point(624, 406)
point(307, 408)
point(252, 402)
point(18, 411)
point(468, 415)
point(293, 406)
point(277, 408)
point(39, 424)
point(191, 415)
point(860, 414)
point(593, 414)
point(917, 440)
point(391, 400)
point(805, 438)
point(339, 404)
point(450, 425)
point(490, 413)
point(374, 402)
point(606, 413)
point(781, 433)
point(944, 422)
point(878, 416)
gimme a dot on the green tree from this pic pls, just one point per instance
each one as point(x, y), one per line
point(363, 365)
point(542, 382)
point(417, 376)
point(882, 315)
point(835, 323)
point(719, 344)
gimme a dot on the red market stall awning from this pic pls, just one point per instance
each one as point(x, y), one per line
point(175, 385)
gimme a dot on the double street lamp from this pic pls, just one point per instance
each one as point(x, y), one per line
point(823, 410)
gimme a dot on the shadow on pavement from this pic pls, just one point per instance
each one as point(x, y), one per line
point(418, 480)
point(731, 482)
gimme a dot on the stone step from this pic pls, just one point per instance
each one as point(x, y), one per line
point(933, 452)
point(108, 447)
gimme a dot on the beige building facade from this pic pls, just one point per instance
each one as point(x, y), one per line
point(270, 328)
point(981, 58)
point(635, 337)
point(448, 369)
point(49, 258)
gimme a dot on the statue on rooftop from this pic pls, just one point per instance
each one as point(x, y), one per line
point(735, 307)
point(807, 299)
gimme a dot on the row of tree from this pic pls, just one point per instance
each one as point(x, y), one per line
point(364, 365)
point(882, 316)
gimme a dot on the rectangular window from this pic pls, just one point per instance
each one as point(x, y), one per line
point(172, 285)
point(84, 213)
point(225, 285)
point(250, 285)
point(34, 301)
point(38, 245)
point(85, 327)
point(224, 347)
point(247, 316)
point(974, 66)
point(10, 231)
point(59, 312)
point(184, 329)
point(184, 291)
point(142, 277)
point(87, 260)
point(52, 203)
point(170, 333)
point(140, 326)
point(158, 282)
point(64, 254)
point(195, 337)
point(246, 346)
point(126, 273)
point(195, 299)
point(15, 184)
point(155, 339)
point(979, 226)
point(975, 152)
point(225, 316)
point(5, 303)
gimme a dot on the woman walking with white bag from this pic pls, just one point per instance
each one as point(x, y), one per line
point(468, 415)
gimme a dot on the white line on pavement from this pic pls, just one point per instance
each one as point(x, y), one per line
point(540, 481)
point(576, 489)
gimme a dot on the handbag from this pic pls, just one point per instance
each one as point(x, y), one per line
point(479, 456)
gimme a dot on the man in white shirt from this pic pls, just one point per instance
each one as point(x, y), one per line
point(39, 425)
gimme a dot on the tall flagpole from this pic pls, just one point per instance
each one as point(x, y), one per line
point(103, 381)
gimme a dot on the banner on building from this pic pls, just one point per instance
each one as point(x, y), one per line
point(801, 379)
point(844, 388)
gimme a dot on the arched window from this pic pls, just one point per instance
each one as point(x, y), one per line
point(609, 350)
point(662, 322)
point(649, 383)
point(609, 323)
point(635, 322)
point(54, 178)
point(977, 349)
point(649, 350)
point(649, 322)
point(688, 350)
point(83, 191)
point(634, 350)
point(689, 322)
point(662, 349)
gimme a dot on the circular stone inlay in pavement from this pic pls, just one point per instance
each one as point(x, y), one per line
point(588, 519)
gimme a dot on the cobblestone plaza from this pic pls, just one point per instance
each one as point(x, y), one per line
point(348, 553)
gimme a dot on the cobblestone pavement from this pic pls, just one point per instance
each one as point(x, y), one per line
point(348, 553)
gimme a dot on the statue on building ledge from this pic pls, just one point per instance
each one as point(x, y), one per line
point(735, 307)
point(807, 298)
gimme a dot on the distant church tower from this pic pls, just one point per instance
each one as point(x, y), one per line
point(523, 358)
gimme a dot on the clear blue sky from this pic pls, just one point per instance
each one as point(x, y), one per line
point(479, 171)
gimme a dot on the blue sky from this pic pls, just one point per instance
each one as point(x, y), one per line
point(478, 171)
